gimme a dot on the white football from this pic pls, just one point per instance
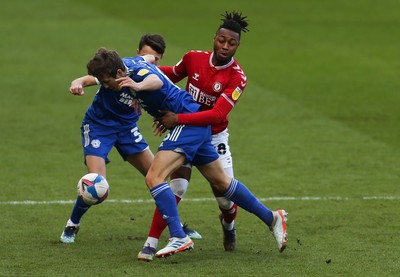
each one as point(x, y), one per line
point(93, 188)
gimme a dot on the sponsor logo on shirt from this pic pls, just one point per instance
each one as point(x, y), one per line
point(126, 99)
point(202, 97)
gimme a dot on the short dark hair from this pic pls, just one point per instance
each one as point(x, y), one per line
point(234, 21)
point(155, 41)
point(105, 63)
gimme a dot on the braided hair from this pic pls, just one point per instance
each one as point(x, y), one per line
point(234, 21)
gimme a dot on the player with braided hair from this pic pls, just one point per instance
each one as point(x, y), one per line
point(216, 81)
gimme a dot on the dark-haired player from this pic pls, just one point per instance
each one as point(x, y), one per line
point(152, 44)
point(216, 81)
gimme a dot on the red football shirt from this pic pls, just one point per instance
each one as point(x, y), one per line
point(215, 88)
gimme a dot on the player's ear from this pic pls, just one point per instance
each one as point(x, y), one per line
point(120, 73)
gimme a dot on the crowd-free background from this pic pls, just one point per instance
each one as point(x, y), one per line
point(316, 132)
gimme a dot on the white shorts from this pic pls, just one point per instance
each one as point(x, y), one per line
point(220, 142)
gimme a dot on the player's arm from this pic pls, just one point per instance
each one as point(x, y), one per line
point(78, 84)
point(150, 83)
point(149, 58)
point(169, 71)
point(217, 114)
point(210, 117)
point(177, 72)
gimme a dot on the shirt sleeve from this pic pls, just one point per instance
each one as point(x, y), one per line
point(225, 103)
point(236, 86)
point(179, 70)
point(168, 70)
point(210, 117)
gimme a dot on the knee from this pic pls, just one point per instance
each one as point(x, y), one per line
point(151, 182)
point(221, 184)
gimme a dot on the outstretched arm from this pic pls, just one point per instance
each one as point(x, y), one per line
point(210, 117)
point(78, 84)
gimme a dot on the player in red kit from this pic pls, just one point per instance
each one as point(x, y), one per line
point(216, 81)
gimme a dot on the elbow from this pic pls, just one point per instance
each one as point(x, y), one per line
point(160, 84)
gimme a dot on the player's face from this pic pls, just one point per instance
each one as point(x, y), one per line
point(225, 44)
point(109, 82)
point(147, 50)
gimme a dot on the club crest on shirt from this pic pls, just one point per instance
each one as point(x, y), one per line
point(143, 72)
point(217, 86)
point(236, 93)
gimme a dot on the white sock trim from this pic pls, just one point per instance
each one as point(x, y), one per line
point(152, 242)
point(70, 223)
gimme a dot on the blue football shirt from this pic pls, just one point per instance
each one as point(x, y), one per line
point(111, 108)
point(170, 97)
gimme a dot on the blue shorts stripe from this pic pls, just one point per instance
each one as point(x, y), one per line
point(194, 142)
point(86, 131)
point(176, 132)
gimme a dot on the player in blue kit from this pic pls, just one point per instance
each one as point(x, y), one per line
point(183, 143)
point(109, 122)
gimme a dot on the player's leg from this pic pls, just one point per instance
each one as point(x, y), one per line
point(227, 207)
point(97, 143)
point(228, 214)
point(141, 161)
point(178, 187)
point(184, 140)
point(242, 196)
point(166, 162)
point(179, 184)
point(94, 164)
point(133, 148)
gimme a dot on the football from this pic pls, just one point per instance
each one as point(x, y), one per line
point(93, 188)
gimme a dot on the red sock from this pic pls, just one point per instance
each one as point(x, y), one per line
point(229, 215)
point(158, 224)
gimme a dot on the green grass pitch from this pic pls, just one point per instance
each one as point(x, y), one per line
point(316, 132)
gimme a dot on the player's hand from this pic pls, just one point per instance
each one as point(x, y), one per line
point(158, 128)
point(168, 119)
point(76, 88)
point(127, 82)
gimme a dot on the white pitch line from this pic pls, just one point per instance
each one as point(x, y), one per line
point(133, 201)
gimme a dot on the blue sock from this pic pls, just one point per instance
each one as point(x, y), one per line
point(242, 196)
point(166, 204)
point(79, 210)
